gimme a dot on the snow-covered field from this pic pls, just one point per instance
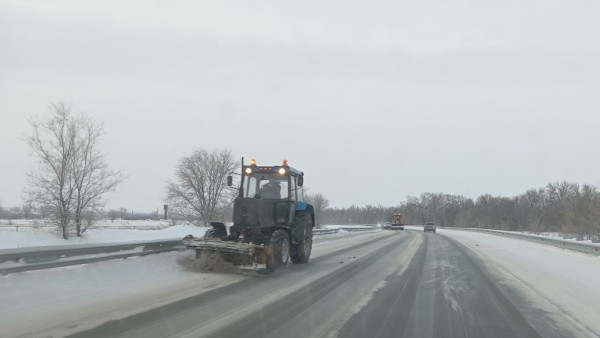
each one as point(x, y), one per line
point(563, 283)
point(28, 237)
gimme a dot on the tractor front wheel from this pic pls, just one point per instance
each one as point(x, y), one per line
point(280, 244)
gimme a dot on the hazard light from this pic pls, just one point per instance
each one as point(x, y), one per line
point(285, 162)
point(252, 162)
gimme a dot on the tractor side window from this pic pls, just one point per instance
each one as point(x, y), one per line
point(284, 189)
point(250, 189)
point(300, 194)
point(293, 188)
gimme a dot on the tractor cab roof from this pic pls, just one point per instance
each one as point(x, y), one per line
point(283, 169)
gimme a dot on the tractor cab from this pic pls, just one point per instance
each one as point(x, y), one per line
point(272, 182)
point(269, 196)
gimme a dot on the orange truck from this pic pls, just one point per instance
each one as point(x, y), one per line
point(397, 221)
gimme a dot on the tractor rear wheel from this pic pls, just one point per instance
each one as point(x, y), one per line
point(301, 251)
point(280, 244)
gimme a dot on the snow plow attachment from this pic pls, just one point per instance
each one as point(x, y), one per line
point(242, 254)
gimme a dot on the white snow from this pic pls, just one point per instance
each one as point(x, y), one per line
point(36, 237)
point(564, 283)
point(8, 222)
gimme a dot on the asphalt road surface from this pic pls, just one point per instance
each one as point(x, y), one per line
point(407, 284)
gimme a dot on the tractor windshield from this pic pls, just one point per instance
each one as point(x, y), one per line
point(266, 186)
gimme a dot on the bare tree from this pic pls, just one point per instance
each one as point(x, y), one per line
point(123, 213)
point(319, 203)
point(113, 214)
point(154, 215)
point(27, 209)
point(91, 174)
point(89, 216)
point(53, 142)
point(71, 175)
point(199, 193)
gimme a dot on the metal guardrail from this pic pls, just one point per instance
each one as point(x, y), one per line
point(317, 232)
point(360, 229)
point(38, 258)
point(16, 227)
point(129, 227)
point(592, 249)
point(349, 229)
point(47, 257)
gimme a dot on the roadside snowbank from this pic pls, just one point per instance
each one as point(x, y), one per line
point(566, 284)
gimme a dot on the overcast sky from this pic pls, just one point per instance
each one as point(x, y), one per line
point(373, 100)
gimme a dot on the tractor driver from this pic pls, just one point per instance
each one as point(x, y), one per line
point(271, 190)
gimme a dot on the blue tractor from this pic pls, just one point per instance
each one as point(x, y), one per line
point(272, 223)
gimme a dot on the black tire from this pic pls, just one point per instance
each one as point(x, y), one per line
point(218, 230)
point(209, 234)
point(280, 243)
point(301, 252)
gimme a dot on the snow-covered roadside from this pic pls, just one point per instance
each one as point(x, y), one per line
point(42, 301)
point(36, 237)
point(46, 302)
point(10, 239)
point(564, 283)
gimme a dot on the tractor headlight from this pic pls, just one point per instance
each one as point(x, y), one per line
point(248, 171)
point(281, 171)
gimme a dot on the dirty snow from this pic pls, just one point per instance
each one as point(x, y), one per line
point(36, 302)
point(46, 302)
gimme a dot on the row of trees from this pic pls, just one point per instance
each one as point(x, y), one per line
point(72, 176)
point(558, 207)
point(29, 212)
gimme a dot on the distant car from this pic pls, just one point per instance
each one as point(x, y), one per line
point(387, 225)
point(429, 226)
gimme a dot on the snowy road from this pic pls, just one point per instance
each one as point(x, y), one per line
point(384, 284)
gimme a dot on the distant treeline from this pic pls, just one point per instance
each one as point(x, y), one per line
point(28, 212)
point(559, 207)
